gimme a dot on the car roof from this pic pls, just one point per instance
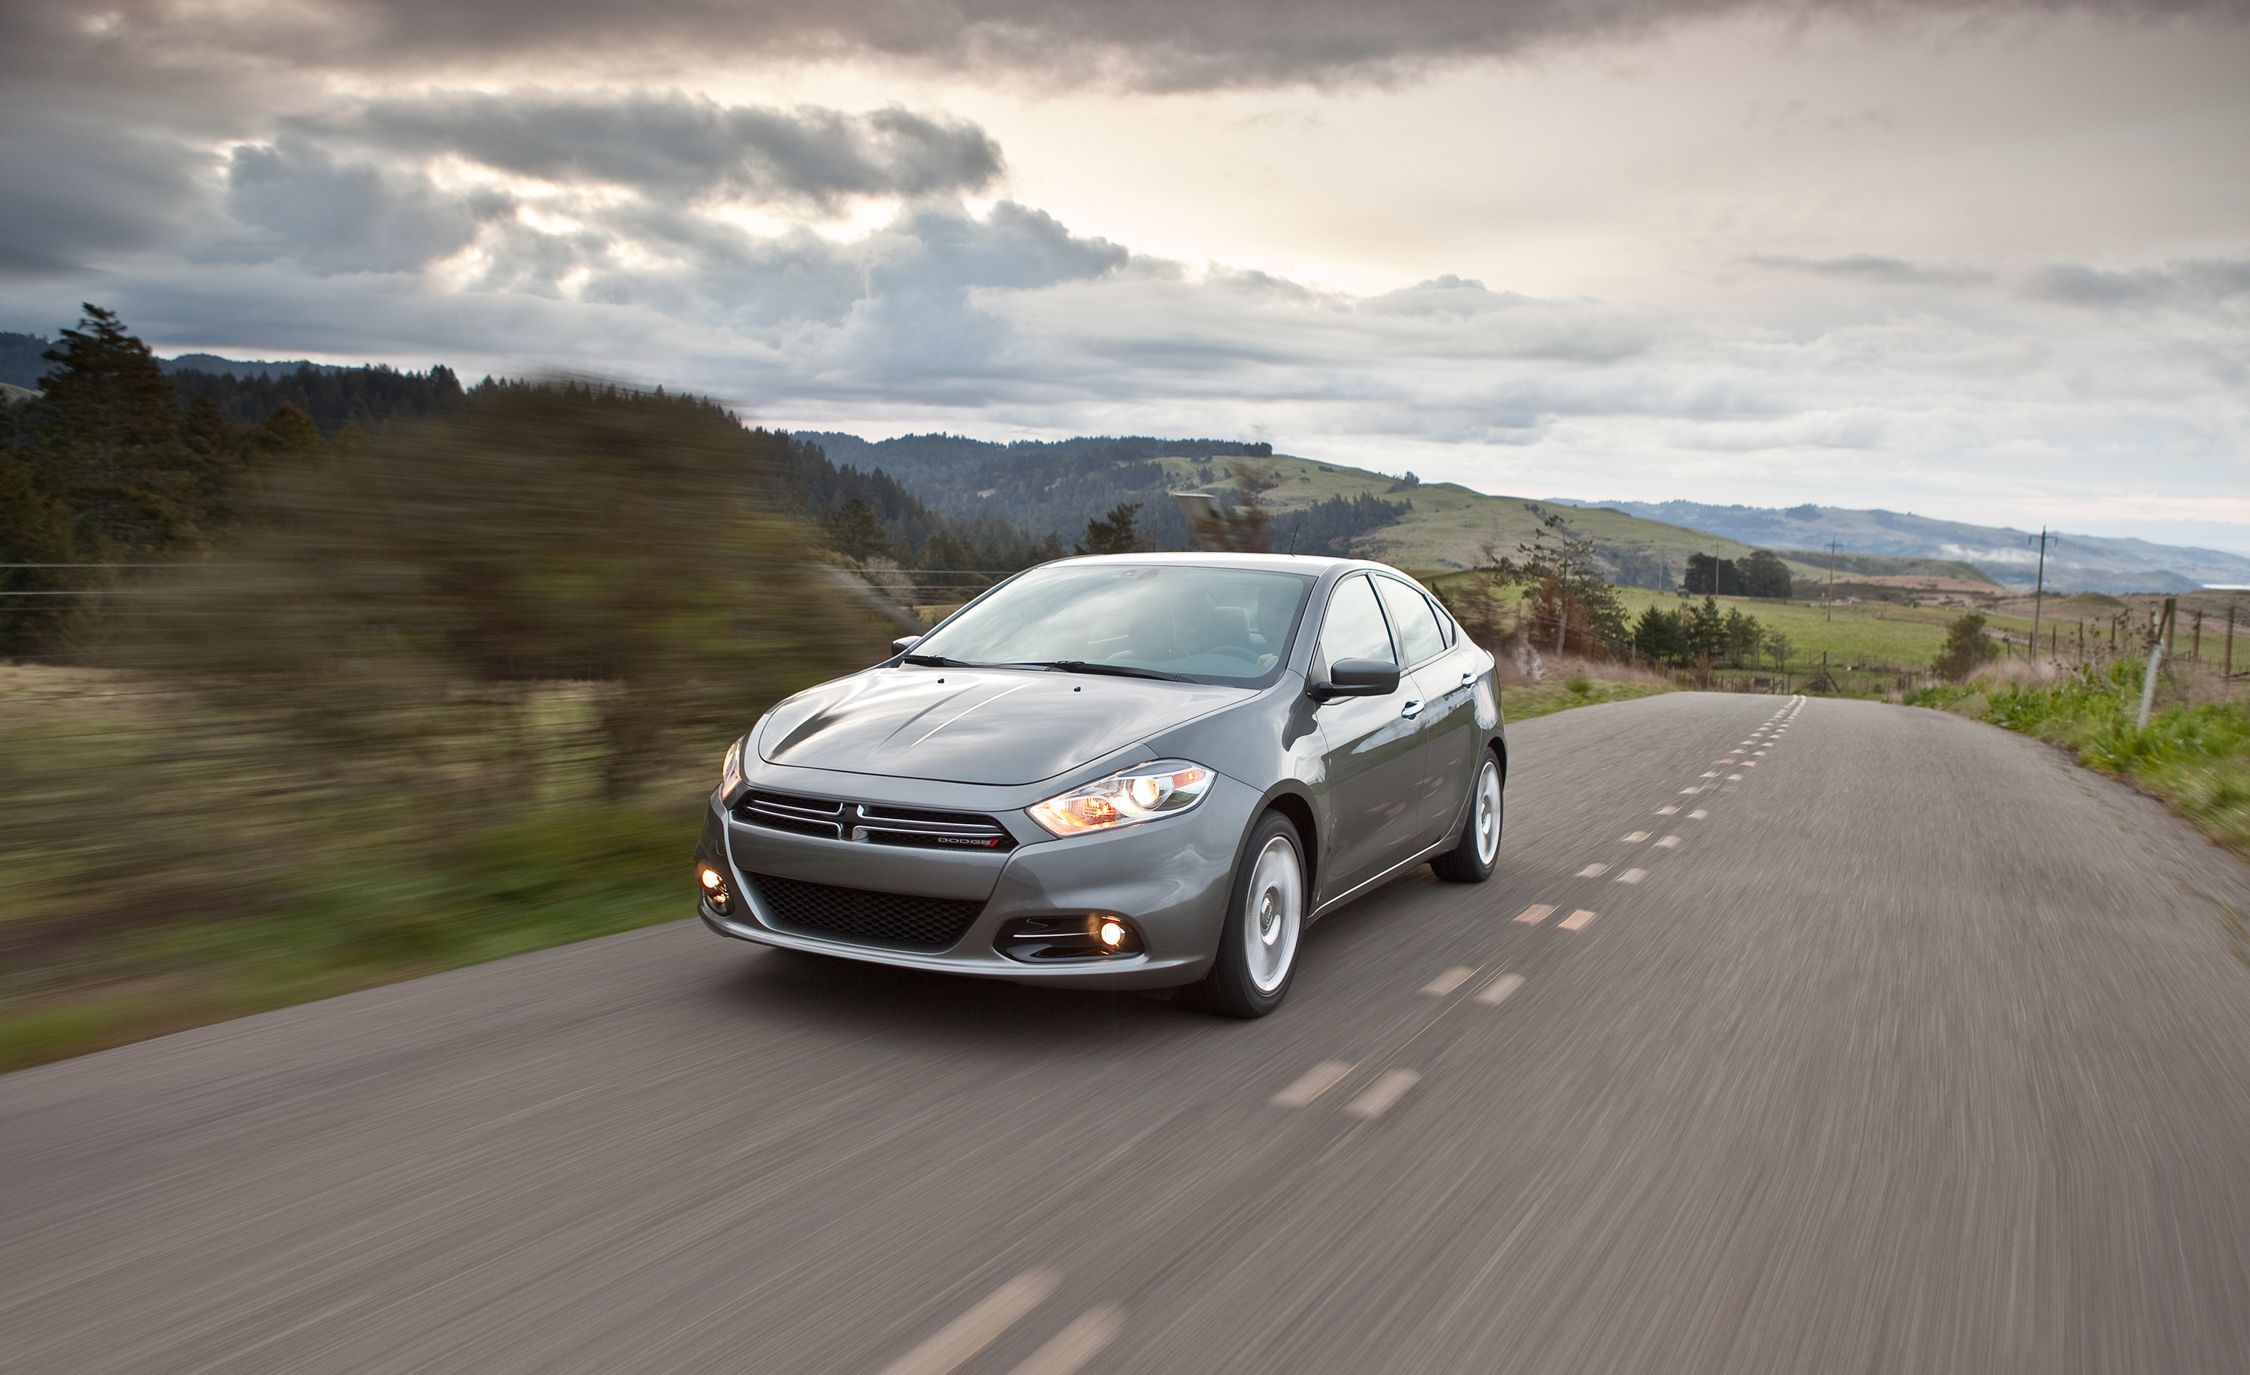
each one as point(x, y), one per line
point(1314, 564)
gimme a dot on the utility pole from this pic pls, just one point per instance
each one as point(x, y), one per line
point(2038, 595)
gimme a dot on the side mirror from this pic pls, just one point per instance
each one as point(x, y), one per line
point(1358, 678)
point(904, 643)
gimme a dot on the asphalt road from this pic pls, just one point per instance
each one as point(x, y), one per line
point(1919, 1050)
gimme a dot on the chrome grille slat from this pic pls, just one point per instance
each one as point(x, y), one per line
point(914, 827)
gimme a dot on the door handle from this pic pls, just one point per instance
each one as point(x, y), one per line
point(1468, 676)
point(1412, 709)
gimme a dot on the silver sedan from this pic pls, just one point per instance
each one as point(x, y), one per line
point(1134, 771)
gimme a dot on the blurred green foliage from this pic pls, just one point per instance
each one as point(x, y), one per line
point(455, 691)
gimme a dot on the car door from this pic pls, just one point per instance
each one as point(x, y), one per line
point(1372, 747)
point(1446, 686)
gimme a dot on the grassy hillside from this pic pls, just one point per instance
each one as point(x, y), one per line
point(1450, 522)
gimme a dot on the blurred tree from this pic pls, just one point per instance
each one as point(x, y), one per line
point(106, 438)
point(1113, 533)
point(1561, 575)
point(287, 437)
point(393, 608)
point(35, 528)
point(1966, 648)
point(854, 532)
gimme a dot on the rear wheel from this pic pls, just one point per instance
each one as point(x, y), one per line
point(1473, 859)
point(1265, 921)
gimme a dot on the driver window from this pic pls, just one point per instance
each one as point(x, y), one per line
point(1354, 628)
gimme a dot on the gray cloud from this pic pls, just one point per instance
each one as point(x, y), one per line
point(2194, 284)
point(1869, 267)
point(1156, 44)
point(73, 191)
point(300, 202)
point(681, 146)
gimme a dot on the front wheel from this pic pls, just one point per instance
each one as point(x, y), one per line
point(1265, 920)
point(1472, 860)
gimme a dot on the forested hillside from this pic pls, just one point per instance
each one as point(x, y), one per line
point(1054, 487)
point(121, 463)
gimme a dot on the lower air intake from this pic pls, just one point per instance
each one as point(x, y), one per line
point(894, 919)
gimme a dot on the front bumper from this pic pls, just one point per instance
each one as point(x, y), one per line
point(1171, 878)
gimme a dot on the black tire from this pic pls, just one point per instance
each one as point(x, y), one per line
point(1230, 988)
point(1467, 861)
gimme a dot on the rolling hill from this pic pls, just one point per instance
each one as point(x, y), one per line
point(1054, 487)
point(2075, 563)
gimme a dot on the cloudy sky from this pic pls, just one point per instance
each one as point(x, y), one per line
point(1989, 261)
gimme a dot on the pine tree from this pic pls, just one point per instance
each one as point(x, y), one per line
point(287, 438)
point(106, 435)
point(34, 529)
point(1113, 533)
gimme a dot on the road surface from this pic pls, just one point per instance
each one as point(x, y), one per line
point(1830, 1037)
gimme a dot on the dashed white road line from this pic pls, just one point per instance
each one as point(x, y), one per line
point(1668, 843)
point(1068, 1351)
point(1495, 993)
point(1312, 1083)
point(1576, 921)
point(1712, 774)
point(1669, 809)
point(1389, 1086)
point(1635, 838)
point(1593, 871)
point(1632, 876)
point(1734, 778)
point(1536, 913)
point(1689, 792)
point(1697, 815)
point(1448, 981)
point(976, 1329)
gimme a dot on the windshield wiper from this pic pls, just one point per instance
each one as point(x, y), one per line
point(1083, 666)
point(934, 661)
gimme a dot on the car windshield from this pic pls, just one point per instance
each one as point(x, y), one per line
point(1216, 625)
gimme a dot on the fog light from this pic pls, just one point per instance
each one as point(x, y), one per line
point(714, 888)
point(1113, 934)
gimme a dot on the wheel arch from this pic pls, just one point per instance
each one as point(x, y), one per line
point(1296, 806)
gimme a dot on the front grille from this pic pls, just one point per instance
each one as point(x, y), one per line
point(809, 816)
point(898, 919)
point(916, 827)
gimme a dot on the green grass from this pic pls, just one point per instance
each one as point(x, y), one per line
point(1523, 701)
point(2195, 756)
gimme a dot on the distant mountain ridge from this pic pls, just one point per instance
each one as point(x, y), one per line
point(23, 362)
point(2075, 563)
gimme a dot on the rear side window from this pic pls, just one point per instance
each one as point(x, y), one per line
point(1417, 624)
point(1354, 628)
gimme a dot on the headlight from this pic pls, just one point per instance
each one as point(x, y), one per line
point(730, 769)
point(1142, 793)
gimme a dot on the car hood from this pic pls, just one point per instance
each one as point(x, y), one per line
point(993, 726)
